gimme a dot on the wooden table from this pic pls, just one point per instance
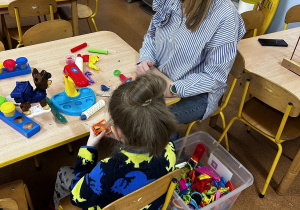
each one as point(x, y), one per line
point(266, 61)
point(50, 56)
point(60, 3)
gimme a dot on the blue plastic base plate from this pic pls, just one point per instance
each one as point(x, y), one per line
point(22, 124)
point(74, 106)
point(15, 73)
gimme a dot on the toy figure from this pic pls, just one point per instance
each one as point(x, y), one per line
point(24, 93)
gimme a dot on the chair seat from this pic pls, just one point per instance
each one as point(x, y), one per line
point(15, 191)
point(255, 112)
point(8, 203)
point(14, 32)
point(83, 11)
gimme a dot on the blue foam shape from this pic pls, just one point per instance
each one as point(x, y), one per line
point(74, 106)
point(19, 126)
point(15, 73)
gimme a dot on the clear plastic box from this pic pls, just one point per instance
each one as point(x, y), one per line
point(241, 178)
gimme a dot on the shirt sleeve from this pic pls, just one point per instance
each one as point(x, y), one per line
point(147, 52)
point(217, 64)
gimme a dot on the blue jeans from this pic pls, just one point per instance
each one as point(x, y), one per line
point(190, 109)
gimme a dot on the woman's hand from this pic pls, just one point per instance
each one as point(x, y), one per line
point(94, 140)
point(143, 68)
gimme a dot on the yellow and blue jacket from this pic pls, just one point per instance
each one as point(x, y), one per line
point(97, 185)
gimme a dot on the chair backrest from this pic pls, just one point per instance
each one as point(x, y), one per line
point(238, 65)
point(47, 31)
point(31, 8)
point(253, 20)
point(137, 199)
point(292, 15)
point(2, 48)
point(272, 93)
point(145, 195)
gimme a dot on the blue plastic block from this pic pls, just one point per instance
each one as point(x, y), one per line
point(15, 73)
point(32, 126)
point(74, 106)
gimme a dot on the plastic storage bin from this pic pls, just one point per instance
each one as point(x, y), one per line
point(217, 158)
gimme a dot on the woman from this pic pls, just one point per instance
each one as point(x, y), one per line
point(192, 44)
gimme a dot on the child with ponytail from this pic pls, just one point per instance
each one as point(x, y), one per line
point(142, 123)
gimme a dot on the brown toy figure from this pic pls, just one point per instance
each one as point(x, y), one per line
point(24, 93)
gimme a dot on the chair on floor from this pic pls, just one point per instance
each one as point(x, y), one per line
point(292, 15)
point(47, 31)
point(141, 197)
point(236, 71)
point(15, 195)
point(26, 8)
point(84, 12)
point(278, 123)
point(253, 20)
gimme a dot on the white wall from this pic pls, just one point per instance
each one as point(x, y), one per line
point(277, 23)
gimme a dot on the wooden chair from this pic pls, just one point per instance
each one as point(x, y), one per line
point(141, 197)
point(26, 8)
point(253, 20)
point(84, 12)
point(47, 31)
point(292, 15)
point(236, 71)
point(15, 195)
point(2, 48)
point(278, 123)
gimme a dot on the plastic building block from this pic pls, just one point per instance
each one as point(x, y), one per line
point(22, 124)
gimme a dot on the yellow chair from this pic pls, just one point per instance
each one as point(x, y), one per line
point(84, 12)
point(278, 123)
point(253, 20)
point(47, 31)
point(236, 71)
point(141, 197)
point(2, 48)
point(15, 195)
point(292, 15)
point(26, 8)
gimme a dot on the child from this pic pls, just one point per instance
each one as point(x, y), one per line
point(142, 122)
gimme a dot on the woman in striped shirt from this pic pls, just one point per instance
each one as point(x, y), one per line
point(192, 44)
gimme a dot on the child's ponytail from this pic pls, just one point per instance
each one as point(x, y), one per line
point(139, 110)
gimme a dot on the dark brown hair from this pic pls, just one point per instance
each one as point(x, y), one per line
point(195, 11)
point(138, 108)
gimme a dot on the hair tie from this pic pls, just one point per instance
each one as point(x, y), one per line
point(147, 102)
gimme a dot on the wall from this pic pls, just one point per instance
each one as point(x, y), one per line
point(277, 23)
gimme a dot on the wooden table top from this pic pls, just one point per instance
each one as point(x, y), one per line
point(50, 56)
point(266, 61)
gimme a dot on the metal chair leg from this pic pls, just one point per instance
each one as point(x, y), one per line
point(262, 194)
point(96, 29)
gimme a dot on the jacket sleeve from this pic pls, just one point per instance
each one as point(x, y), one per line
point(86, 188)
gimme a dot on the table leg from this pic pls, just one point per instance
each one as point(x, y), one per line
point(75, 18)
point(290, 175)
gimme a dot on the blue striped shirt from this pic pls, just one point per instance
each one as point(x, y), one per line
point(197, 62)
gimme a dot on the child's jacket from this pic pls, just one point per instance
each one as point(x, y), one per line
point(98, 185)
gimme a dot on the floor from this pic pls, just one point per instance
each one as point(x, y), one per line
point(254, 151)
